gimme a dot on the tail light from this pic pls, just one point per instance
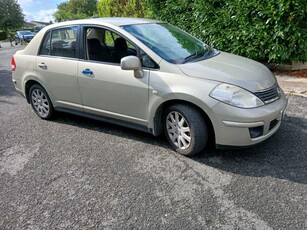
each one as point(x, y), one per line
point(13, 64)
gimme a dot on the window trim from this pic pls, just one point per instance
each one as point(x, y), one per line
point(77, 56)
point(83, 57)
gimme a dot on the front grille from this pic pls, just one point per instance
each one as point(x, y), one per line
point(268, 95)
point(273, 124)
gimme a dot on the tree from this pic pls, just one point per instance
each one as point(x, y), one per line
point(76, 9)
point(122, 8)
point(11, 16)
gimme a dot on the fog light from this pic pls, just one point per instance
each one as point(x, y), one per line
point(256, 131)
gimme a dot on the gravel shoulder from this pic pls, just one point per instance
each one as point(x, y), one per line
point(293, 86)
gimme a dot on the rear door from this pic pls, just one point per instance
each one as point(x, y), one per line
point(57, 66)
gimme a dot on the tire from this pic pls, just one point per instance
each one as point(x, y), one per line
point(40, 102)
point(185, 129)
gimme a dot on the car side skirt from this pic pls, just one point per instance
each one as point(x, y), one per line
point(106, 119)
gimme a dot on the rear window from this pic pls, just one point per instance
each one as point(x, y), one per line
point(60, 42)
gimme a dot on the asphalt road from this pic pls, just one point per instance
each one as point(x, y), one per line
point(76, 173)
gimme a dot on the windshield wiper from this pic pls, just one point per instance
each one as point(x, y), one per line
point(197, 54)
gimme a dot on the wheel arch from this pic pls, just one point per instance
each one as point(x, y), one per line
point(158, 116)
point(29, 84)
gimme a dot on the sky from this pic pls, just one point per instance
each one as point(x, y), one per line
point(39, 10)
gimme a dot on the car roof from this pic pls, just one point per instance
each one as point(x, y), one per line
point(115, 21)
point(125, 21)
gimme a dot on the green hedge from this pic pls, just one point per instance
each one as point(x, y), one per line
point(264, 30)
point(2, 36)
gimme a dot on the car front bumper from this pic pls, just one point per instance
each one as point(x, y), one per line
point(239, 127)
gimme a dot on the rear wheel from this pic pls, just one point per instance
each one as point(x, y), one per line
point(185, 129)
point(40, 102)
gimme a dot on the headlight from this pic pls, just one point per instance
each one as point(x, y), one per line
point(279, 91)
point(235, 96)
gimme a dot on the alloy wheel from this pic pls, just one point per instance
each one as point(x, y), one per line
point(178, 130)
point(40, 103)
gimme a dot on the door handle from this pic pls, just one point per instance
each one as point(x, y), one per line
point(87, 72)
point(42, 66)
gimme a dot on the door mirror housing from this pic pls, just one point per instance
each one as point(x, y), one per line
point(132, 63)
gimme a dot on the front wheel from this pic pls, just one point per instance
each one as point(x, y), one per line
point(40, 102)
point(185, 129)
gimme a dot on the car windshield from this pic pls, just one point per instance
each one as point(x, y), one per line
point(25, 32)
point(38, 28)
point(170, 43)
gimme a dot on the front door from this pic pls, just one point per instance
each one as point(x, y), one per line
point(105, 88)
point(108, 90)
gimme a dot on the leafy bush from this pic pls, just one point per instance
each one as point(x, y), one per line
point(264, 30)
point(2, 36)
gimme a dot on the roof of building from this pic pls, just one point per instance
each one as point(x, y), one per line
point(38, 23)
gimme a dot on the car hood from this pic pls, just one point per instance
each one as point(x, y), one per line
point(232, 69)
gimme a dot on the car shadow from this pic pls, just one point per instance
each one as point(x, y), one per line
point(108, 128)
point(282, 156)
point(6, 85)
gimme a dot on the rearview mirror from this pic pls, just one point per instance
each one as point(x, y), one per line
point(132, 63)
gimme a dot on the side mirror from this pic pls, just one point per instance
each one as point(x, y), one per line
point(132, 63)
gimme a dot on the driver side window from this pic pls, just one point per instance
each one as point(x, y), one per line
point(106, 46)
point(147, 62)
